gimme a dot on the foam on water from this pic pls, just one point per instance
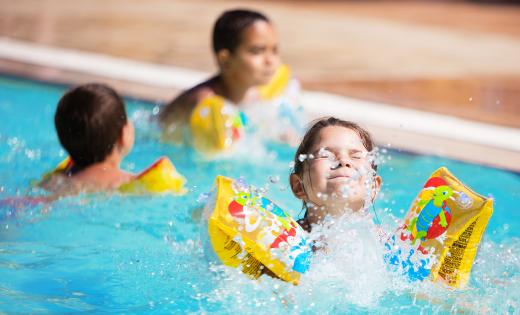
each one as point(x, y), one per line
point(347, 269)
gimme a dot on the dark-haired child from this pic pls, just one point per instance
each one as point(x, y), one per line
point(93, 128)
point(245, 46)
point(334, 171)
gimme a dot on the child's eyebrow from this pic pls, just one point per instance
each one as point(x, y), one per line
point(322, 148)
point(258, 46)
point(336, 149)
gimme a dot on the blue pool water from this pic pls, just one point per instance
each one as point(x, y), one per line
point(142, 254)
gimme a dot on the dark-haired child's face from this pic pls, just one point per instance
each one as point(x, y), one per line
point(339, 170)
point(256, 59)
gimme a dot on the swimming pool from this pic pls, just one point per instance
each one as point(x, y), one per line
point(143, 254)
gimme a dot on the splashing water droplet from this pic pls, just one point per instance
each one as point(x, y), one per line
point(274, 179)
point(203, 197)
point(345, 191)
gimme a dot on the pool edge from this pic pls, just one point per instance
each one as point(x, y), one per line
point(412, 130)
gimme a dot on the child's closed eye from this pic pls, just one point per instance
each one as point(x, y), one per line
point(325, 154)
point(358, 155)
point(255, 50)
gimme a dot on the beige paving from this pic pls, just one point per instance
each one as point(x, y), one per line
point(455, 58)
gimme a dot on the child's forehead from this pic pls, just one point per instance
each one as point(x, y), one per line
point(258, 31)
point(338, 138)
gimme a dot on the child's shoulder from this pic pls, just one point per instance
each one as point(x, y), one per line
point(59, 183)
point(203, 90)
point(181, 106)
point(92, 179)
point(200, 92)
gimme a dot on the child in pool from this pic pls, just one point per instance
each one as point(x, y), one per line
point(333, 172)
point(93, 128)
point(246, 51)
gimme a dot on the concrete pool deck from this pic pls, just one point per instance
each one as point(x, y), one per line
point(420, 82)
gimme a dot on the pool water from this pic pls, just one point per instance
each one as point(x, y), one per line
point(143, 254)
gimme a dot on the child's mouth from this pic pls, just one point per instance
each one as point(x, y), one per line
point(340, 177)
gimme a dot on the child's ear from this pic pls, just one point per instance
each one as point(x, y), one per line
point(297, 187)
point(223, 57)
point(376, 187)
point(126, 141)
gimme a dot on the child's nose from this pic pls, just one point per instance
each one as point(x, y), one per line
point(268, 60)
point(343, 161)
point(271, 58)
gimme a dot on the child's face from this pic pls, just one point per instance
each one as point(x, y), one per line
point(338, 175)
point(256, 59)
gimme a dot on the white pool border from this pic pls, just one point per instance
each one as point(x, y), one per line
point(315, 103)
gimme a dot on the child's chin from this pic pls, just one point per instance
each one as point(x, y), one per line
point(346, 192)
point(342, 187)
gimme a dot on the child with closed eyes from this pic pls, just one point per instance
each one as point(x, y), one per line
point(334, 171)
point(336, 178)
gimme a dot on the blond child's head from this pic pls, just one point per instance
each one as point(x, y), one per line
point(334, 170)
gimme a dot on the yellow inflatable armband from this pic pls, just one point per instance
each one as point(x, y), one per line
point(441, 232)
point(160, 177)
point(277, 85)
point(251, 232)
point(215, 125)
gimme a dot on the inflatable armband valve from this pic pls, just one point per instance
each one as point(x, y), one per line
point(441, 232)
point(251, 232)
point(277, 85)
point(160, 177)
point(215, 125)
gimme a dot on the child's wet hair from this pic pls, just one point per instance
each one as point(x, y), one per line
point(89, 121)
point(310, 138)
point(228, 29)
